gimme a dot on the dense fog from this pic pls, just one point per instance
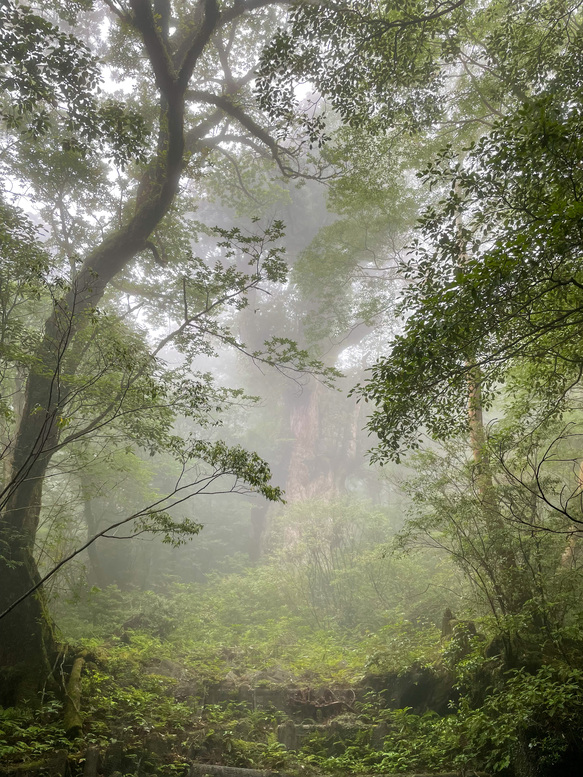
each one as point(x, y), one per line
point(290, 388)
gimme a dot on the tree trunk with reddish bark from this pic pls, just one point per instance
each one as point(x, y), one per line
point(310, 472)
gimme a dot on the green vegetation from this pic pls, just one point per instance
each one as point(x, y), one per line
point(237, 237)
point(202, 674)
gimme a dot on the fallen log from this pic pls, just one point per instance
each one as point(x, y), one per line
point(72, 720)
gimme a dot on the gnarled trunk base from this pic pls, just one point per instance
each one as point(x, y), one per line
point(27, 643)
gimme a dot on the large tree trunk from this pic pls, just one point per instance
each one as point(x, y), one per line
point(324, 452)
point(310, 472)
point(27, 645)
point(322, 457)
point(26, 641)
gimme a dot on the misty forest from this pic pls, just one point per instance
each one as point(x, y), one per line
point(291, 388)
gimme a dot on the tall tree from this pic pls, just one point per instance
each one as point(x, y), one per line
point(191, 57)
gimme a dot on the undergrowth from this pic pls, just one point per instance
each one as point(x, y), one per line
point(150, 687)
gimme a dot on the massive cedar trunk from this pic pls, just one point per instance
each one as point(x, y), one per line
point(321, 456)
point(27, 645)
point(310, 472)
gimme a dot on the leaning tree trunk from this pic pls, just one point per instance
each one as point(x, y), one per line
point(26, 641)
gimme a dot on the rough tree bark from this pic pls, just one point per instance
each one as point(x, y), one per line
point(309, 471)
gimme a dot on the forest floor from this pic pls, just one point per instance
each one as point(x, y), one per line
point(145, 715)
point(148, 708)
point(196, 690)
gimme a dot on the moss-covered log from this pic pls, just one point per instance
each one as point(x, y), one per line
point(73, 722)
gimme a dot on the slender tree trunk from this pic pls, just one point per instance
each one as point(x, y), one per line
point(349, 460)
point(95, 573)
point(507, 579)
point(478, 440)
point(572, 552)
point(258, 527)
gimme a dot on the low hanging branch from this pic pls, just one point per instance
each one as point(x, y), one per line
point(157, 510)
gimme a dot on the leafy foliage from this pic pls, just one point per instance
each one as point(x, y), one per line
point(29, 734)
point(43, 68)
point(377, 63)
point(494, 279)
